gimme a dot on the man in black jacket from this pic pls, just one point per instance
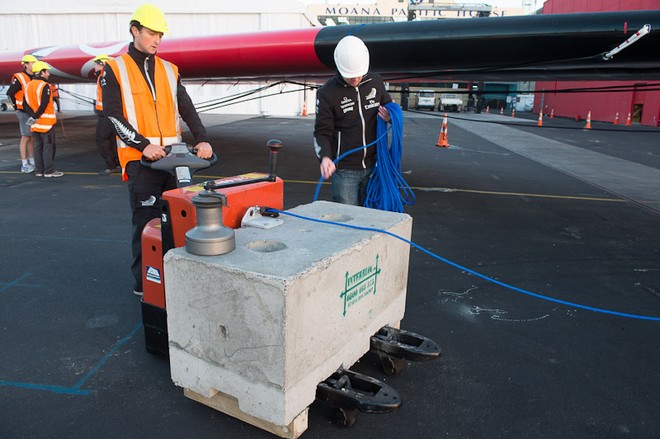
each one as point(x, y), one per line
point(347, 108)
point(106, 142)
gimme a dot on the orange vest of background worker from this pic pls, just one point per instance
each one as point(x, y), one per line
point(98, 103)
point(160, 123)
point(15, 93)
point(33, 98)
point(39, 106)
point(23, 78)
point(55, 93)
point(99, 62)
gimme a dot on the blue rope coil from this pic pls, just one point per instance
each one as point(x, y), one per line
point(387, 189)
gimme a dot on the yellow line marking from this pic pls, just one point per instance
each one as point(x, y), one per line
point(417, 188)
point(523, 194)
point(508, 194)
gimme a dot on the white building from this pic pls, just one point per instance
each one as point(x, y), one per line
point(29, 25)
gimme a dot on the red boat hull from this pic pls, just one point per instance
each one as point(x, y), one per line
point(559, 46)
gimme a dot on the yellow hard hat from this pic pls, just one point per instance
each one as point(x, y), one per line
point(101, 59)
point(39, 66)
point(150, 16)
point(28, 58)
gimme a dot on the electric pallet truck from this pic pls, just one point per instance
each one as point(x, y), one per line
point(179, 216)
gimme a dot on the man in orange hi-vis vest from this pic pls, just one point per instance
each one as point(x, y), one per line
point(143, 97)
point(15, 93)
point(105, 132)
point(41, 111)
point(55, 92)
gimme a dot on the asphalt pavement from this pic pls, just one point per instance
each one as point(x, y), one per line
point(540, 280)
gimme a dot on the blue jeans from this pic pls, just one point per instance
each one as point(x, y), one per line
point(349, 186)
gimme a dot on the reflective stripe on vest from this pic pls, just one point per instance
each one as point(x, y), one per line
point(33, 99)
point(157, 120)
point(23, 78)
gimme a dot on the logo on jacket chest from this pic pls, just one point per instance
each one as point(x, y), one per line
point(371, 100)
point(347, 104)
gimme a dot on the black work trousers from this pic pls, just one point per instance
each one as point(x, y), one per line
point(145, 186)
point(44, 151)
point(106, 142)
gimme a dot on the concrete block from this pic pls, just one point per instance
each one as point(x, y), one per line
point(267, 322)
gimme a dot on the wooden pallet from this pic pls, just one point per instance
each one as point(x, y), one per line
point(229, 405)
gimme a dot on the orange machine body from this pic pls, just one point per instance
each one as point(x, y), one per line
point(182, 217)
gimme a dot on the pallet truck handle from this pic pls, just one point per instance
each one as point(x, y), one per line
point(180, 155)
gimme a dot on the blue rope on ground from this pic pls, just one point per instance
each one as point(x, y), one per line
point(387, 189)
point(482, 276)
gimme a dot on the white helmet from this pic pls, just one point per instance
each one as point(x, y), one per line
point(351, 57)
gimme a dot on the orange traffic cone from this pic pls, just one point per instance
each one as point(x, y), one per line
point(540, 122)
point(513, 113)
point(588, 125)
point(487, 108)
point(304, 109)
point(501, 110)
point(442, 140)
point(616, 119)
point(628, 121)
point(552, 113)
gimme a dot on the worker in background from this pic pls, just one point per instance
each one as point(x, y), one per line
point(143, 98)
point(41, 111)
point(105, 132)
point(15, 93)
point(347, 108)
point(55, 92)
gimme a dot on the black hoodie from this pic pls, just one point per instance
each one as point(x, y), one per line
point(346, 118)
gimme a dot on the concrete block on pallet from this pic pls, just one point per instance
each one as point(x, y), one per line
point(269, 321)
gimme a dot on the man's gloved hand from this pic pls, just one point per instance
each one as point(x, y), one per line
point(31, 121)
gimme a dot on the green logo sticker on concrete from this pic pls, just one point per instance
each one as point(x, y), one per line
point(359, 285)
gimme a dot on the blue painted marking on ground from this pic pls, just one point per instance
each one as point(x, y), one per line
point(4, 286)
point(46, 387)
point(107, 356)
point(76, 389)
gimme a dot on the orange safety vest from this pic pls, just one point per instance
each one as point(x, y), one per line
point(156, 119)
point(98, 105)
point(33, 99)
point(54, 91)
point(23, 78)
